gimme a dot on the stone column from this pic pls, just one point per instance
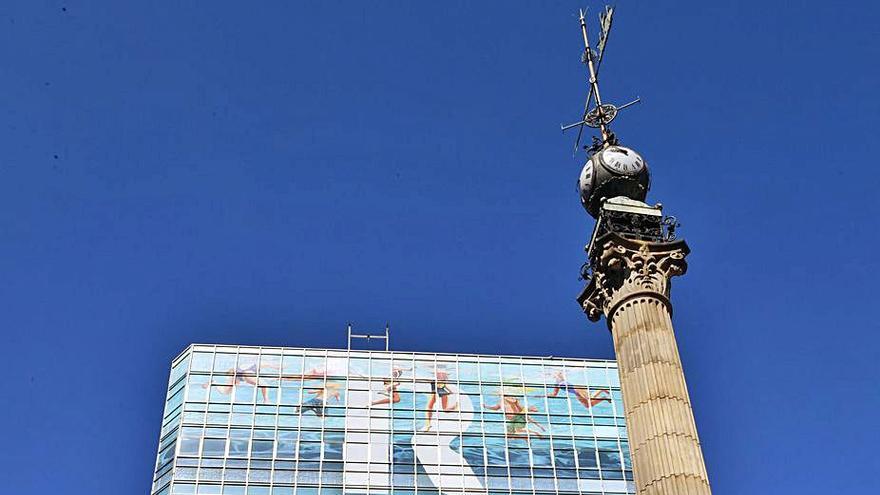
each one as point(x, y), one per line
point(630, 286)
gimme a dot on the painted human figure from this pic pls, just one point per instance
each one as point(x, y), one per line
point(239, 375)
point(391, 395)
point(433, 447)
point(580, 393)
point(517, 417)
point(439, 388)
point(317, 403)
point(312, 374)
point(248, 375)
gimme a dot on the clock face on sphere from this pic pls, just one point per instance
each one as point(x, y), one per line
point(585, 183)
point(622, 160)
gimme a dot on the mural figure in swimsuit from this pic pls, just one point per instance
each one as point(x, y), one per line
point(517, 416)
point(239, 375)
point(317, 403)
point(580, 393)
point(439, 388)
point(248, 376)
point(391, 396)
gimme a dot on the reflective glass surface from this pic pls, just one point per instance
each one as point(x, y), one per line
point(261, 420)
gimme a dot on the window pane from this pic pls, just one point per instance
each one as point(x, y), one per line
point(224, 363)
point(215, 447)
point(202, 361)
point(262, 449)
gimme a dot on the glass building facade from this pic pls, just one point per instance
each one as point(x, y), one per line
point(283, 421)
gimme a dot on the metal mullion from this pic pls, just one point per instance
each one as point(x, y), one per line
point(229, 427)
point(345, 406)
point(575, 456)
point(369, 425)
point(462, 461)
point(483, 426)
point(276, 414)
point(322, 419)
point(549, 428)
point(247, 470)
point(186, 376)
point(522, 379)
point(413, 409)
point(480, 422)
point(438, 404)
point(198, 481)
point(504, 416)
point(296, 445)
point(595, 437)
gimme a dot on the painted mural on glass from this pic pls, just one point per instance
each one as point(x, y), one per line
point(335, 422)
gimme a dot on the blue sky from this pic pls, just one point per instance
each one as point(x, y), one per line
point(263, 173)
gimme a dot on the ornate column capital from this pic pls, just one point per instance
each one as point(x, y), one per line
point(626, 268)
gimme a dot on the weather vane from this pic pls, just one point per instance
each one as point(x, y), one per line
point(601, 114)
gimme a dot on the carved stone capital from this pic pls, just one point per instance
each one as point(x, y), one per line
point(626, 268)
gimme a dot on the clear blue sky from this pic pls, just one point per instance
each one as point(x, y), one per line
point(263, 172)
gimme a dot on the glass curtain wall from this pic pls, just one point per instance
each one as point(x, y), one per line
point(282, 421)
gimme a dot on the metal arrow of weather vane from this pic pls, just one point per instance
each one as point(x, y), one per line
point(601, 114)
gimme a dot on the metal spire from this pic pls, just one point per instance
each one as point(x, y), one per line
point(602, 114)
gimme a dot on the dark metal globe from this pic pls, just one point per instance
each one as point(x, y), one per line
point(613, 171)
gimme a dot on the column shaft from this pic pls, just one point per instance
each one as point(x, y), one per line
point(666, 454)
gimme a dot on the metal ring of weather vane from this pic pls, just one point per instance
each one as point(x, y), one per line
point(594, 120)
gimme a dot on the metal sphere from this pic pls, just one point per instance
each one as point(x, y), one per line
point(613, 171)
